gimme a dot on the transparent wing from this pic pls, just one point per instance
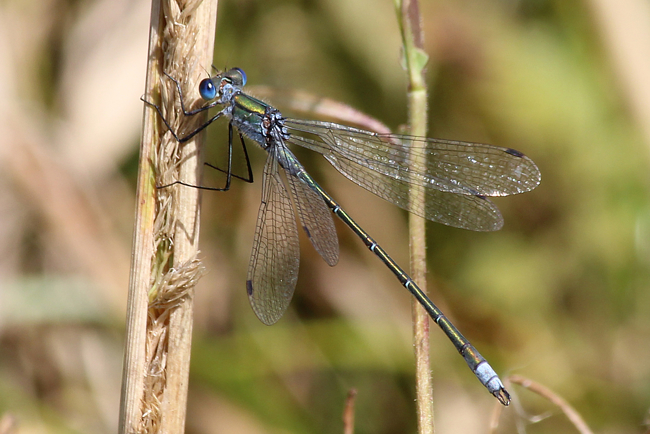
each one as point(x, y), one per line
point(472, 212)
point(274, 262)
point(454, 166)
point(456, 178)
point(316, 219)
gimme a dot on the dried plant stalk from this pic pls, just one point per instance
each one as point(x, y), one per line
point(571, 413)
point(415, 60)
point(348, 412)
point(165, 267)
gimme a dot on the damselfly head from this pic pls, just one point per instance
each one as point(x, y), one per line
point(237, 76)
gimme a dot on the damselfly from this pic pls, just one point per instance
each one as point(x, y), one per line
point(457, 179)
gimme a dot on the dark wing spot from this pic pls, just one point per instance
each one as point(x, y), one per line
point(249, 287)
point(307, 231)
point(514, 152)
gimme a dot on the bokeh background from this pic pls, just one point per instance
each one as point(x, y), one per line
point(561, 295)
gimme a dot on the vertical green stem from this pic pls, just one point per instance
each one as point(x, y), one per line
point(415, 60)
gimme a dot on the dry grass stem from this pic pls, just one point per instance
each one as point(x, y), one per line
point(412, 39)
point(320, 107)
point(165, 264)
point(348, 412)
point(546, 393)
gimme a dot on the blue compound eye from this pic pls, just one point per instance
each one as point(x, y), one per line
point(237, 76)
point(207, 89)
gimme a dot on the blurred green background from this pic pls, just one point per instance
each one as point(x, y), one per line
point(561, 295)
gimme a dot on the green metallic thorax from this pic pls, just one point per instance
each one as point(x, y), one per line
point(247, 114)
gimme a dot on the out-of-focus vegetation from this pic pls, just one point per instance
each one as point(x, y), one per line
point(561, 295)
